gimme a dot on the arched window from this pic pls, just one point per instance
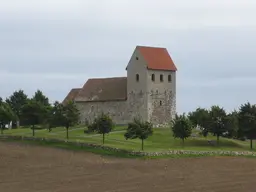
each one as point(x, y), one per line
point(153, 77)
point(161, 78)
point(169, 78)
point(137, 77)
point(160, 103)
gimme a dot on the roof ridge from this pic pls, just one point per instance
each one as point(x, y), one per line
point(154, 47)
point(106, 78)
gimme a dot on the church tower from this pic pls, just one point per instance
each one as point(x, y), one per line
point(151, 85)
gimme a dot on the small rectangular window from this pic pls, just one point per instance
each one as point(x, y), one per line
point(169, 78)
point(153, 77)
point(137, 77)
point(161, 78)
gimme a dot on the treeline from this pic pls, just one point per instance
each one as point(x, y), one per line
point(238, 124)
point(24, 111)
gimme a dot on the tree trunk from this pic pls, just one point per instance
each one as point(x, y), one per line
point(33, 128)
point(183, 141)
point(67, 133)
point(103, 138)
point(2, 129)
point(251, 144)
point(142, 144)
point(218, 139)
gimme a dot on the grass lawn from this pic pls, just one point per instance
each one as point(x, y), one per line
point(162, 139)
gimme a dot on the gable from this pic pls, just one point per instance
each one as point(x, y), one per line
point(104, 89)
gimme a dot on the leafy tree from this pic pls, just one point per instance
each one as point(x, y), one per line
point(33, 113)
point(6, 115)
point(181, 127)
point(70, 115)
point(64, 115)
point(16, 102)
point(217, 124)
point(139, 129)
point(55, 118)
point(201, 117)
point(102, 125)
point(247, 121)
point(231, 125)
point(47, 115)
point(40, 97)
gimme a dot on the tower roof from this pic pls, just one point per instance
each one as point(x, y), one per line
point(157, 58)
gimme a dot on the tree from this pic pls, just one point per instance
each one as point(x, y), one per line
point(201, 117)
point(247, 121)
point(40, 97)
point(181, 127)
point(70, 115)
point(217, 125)
point(6, 115)
point(64, 115)
point(55, 118)
point(46, 116)
point(231, 125)
point(33, 113)
point(139, 129)
point(16, 102)
point(102, 125)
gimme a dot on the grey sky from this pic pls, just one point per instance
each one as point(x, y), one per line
point(55, 45)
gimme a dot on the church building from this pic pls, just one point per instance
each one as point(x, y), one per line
point(148, 91)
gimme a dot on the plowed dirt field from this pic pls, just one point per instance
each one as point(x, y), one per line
point(25, 168)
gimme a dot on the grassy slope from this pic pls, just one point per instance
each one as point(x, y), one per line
point(161, 140)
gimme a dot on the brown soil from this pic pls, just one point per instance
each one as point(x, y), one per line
point(38, 169)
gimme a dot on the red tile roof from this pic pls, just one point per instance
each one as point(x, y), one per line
point(71, 95)
point(104, 89)
point(157, 58)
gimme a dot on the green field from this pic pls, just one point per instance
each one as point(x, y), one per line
point(161, 140)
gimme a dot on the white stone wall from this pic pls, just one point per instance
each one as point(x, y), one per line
point(115, 109)
point(162, 97)
point(121, 112)
point(137, 90)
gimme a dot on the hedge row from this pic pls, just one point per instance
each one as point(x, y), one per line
point(132, 153)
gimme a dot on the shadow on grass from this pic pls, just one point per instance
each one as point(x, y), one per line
point(206, 143)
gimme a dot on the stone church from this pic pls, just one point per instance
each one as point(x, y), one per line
point(148, 91)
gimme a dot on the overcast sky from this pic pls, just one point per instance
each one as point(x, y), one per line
point(55, 45)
